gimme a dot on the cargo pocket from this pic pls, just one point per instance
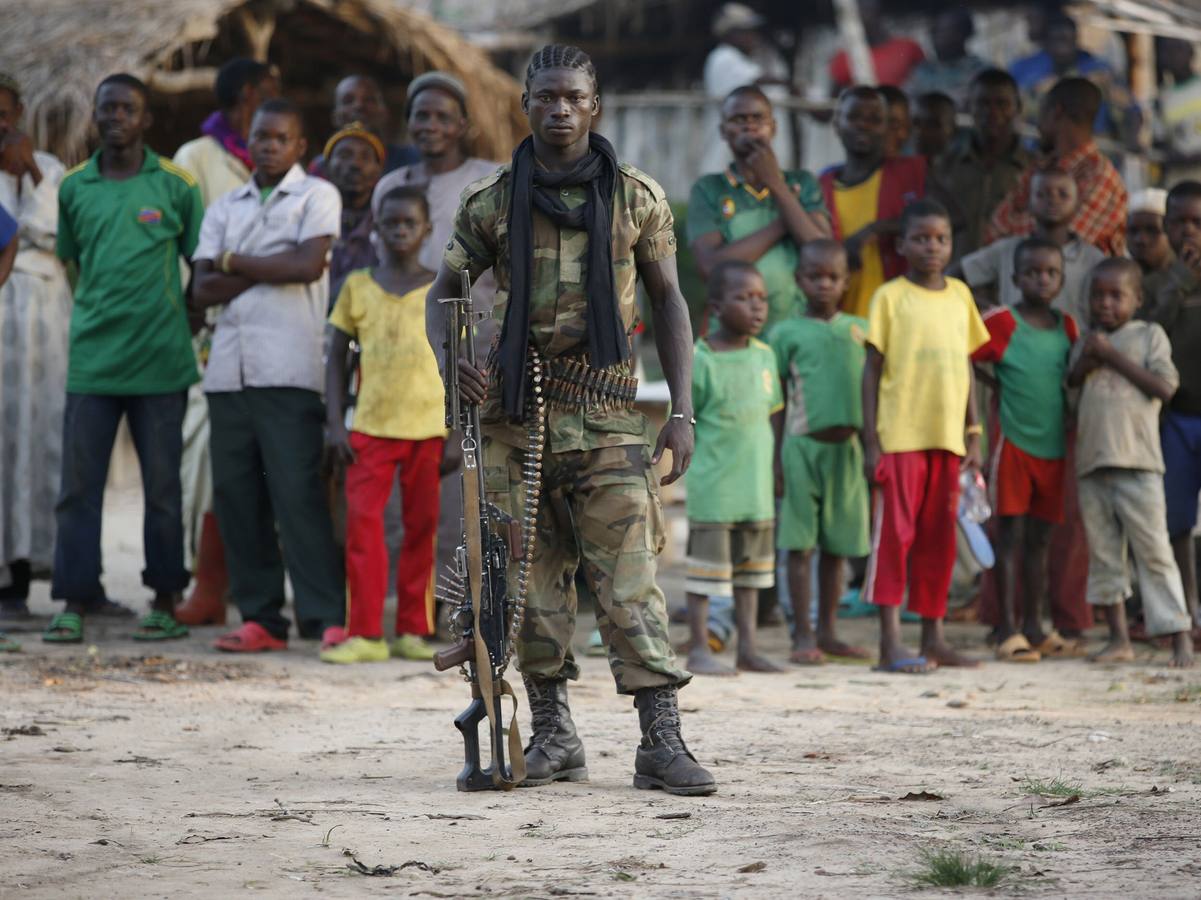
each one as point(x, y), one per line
point(616, 421)
point(656, 523)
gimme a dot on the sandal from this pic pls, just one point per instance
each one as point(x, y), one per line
point(250, 638)
point(160, 626)
point(1056, 647)
point(809, 657)
point(8, 645)
point(911, 665)
point(64, 628)
point(1016, 648)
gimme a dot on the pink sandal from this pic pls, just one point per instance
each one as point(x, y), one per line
point(250, 638)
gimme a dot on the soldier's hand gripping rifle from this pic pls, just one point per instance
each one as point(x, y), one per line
point(486, 617)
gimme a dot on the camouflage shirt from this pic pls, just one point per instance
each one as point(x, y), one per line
point(642, 232)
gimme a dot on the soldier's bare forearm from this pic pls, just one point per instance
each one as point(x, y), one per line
point(673, 330)
point(673, 340)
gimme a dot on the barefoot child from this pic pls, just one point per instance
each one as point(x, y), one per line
point(819, 460)
point(1126, 370)
point(1028, 348)
point(918, 406)
point(398, 423)
point(735, 390)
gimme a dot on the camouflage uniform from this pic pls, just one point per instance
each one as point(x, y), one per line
point(600, 497)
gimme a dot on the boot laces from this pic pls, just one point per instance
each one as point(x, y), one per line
point(544, 713)
point(665, 729)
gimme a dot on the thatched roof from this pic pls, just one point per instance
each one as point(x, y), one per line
point(60, 49)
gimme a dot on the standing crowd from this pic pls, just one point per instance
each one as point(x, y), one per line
point(941, 291)
point(248, 473)
point(870, 331)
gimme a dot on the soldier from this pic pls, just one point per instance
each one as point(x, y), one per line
point(567, 230)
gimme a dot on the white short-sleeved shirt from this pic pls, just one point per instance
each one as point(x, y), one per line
point(271, 335)
point(994, 265)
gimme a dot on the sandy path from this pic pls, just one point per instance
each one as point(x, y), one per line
point(200, 776)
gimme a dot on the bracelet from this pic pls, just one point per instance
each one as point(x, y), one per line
point(224, 264)
point(976, 429)
point(690, 419)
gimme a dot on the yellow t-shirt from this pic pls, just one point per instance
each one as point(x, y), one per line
point(400, 392)
point(926, 338)
point(856, 208)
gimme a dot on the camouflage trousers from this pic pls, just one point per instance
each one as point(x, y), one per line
point(599, 509)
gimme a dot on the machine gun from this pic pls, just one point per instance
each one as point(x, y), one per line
point(486, 617)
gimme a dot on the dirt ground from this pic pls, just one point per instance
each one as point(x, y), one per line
point(128, 773)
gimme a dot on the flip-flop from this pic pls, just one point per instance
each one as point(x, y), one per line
point(1016, 648)
point(810, 657)
point(902, 666)
point(160, 626)
point(1056, 646)
point(64, 628)
point(8, 645)
point(250, 638)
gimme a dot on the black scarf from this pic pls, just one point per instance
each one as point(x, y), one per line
point(537, 188)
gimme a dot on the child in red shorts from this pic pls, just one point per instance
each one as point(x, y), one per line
point(1028, 347)
point(918, 408)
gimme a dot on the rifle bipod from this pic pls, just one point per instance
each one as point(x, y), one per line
point(474, 776)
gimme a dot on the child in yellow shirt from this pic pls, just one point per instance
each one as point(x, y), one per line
point(398, 423)
point(918, 407)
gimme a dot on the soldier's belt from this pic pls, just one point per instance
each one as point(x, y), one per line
point(572, 384)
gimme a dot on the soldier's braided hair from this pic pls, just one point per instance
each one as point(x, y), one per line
point(560, 56)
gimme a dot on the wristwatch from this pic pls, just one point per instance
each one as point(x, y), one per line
point(690, 419)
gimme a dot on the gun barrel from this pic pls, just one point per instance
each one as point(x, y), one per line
point(468, 315)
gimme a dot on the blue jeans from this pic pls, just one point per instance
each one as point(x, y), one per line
point(89, 430)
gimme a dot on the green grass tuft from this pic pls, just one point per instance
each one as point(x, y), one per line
point(1057, 787)
point(1052, 787)
point(951, 868)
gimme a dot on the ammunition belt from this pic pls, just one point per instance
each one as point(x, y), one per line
point(572, 384)
point(532, 476)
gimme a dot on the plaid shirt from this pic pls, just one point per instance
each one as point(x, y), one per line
point(1101, 218)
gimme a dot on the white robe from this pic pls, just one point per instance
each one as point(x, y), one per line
point(35, 318)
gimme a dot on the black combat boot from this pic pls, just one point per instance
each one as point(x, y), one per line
point(663, 761)
point(555, 752)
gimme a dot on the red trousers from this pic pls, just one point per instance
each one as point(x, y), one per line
point(369, 482)
point(913, 531)
point(1067, 569)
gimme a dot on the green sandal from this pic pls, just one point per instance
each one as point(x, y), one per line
point(160, 626)
point(8, 645)
point(65, 628)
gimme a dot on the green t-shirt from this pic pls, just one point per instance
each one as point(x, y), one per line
point(723, 202)
point(735, 393)
point(1031, 365)
point(129, 325)
point(821, 362)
